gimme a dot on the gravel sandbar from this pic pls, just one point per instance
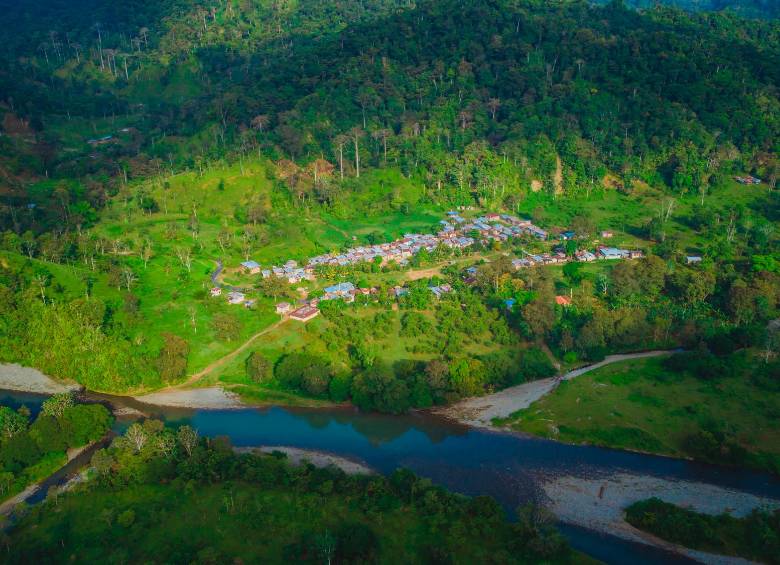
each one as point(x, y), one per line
point(26, 379)
point(208, 398)
point(599, 504)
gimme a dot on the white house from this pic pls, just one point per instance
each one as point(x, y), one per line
point(236, 297)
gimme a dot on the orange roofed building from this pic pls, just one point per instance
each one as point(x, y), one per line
point(304, 313)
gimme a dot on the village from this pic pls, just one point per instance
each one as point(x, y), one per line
point(455, 233)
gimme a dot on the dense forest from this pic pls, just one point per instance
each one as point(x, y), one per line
point(745, 8)
point(481, 100)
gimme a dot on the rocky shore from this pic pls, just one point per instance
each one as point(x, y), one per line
point(599, 503)
point(25, 379)
point(214, 398)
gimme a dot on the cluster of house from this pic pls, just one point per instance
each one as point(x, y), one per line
point(308, 309)
point(456, 233)
point(290, 271)
point(747, 180)
point(233, 297)
point(607, 253)
point(490, 227)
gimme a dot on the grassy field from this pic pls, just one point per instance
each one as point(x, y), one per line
point(626, 215)
point(201, 213)
point(639, 405)
point(174, 299)
point(313, 338)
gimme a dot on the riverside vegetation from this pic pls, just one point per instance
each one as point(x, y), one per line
point(755, 536)
point(32, 449)
point(124, 512)
point(715, 408)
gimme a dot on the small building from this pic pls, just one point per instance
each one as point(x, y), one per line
point(606, 234)
point(611, 253)
point(567, 235)
point(251, 267)
point(399, 291)
point(249, 303)
point(304, 313)
point(101, 140)
point(693, 259)
point(342, 290)
point(509, 303)
point(216, 291)
point(283, 308)
point(564, 301)
point(585, 256)
point(749, 179)
point(236, 297)
point(441, 290)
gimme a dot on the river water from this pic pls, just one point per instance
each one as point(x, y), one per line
point(471, 461)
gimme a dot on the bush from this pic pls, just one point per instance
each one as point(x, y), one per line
point(172, 360)
point(535, 365)
point(304, 372)
point(226, 326)
point(258, 368)
point(700, 363)
point(378, 389)
point(338, 389)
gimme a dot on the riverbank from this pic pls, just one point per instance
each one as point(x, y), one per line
point(482, 410)
point(599, 504)
point(7, 506)
point(208, 398)
point(297, 456)
point(26, 379)
point(642, 405)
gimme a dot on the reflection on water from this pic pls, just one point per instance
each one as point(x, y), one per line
point(471, 461)
point(16, 400)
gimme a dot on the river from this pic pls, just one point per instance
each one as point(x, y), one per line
point(468, 460)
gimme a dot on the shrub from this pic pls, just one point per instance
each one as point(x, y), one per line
point(339, 387)
point(378, 389)
point(258, 368)
point(535, 365)
point(304, 371)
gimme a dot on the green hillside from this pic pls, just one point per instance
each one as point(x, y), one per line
point(144, 146)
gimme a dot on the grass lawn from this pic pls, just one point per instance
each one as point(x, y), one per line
point(627, 214)
point(639, 405)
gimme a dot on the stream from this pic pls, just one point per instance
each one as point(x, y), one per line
point(468, 460)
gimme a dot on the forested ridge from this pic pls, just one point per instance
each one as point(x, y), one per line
point(478, 98)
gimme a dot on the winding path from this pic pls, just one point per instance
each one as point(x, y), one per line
point(480, 411)
point(195, 377)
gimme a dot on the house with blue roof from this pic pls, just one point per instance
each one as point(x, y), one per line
point(251, 267)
